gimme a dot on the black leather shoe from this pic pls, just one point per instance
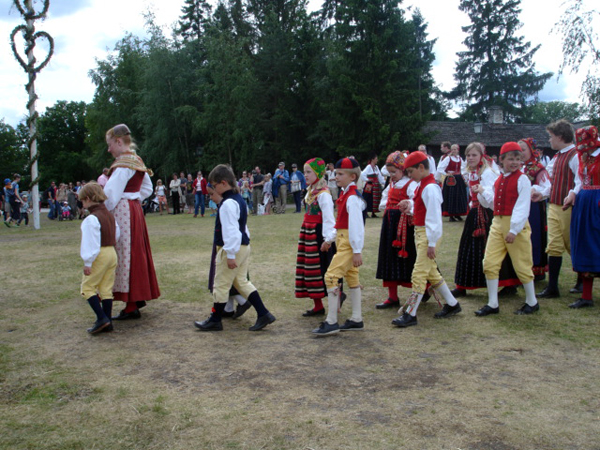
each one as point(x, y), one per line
point(526, 309)
point(326, 329)
point(262, 322)
point(458, 293)
point(108, 329)
point(128, 315)
point(312, 312)
point(448, 311)
point(388, 304)
point(350, 325)
point(209, 325)
point(227, 314)
point(140, 304)
point(405, 320)
point(581, 303)
point(548, 293)
point(577, 289)
point(99, 326)
point(486, 311)
point(241, 309)
point(507, 291)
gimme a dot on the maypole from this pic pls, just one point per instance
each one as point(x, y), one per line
point(30, 36)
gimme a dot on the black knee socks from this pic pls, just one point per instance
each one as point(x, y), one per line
point(94, 302)
point(554, 264)
point(217, 312)
point(107, 307)
point(258, 304)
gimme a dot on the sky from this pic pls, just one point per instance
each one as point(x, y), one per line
point(85, 31)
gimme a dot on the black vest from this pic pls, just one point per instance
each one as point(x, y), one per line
point(241, 221)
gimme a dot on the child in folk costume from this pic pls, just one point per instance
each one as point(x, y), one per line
point(426, 208)
point(317, 232)
point(99, 235)
point(349, 240)
point(397, 250)
point(540, 182)
point(373, 180)
point(232, 240)
point(469, 264)
point(585, 218)
point(454, 190)
point(510, 232)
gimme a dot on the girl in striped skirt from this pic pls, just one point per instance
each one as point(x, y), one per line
point(317, 227)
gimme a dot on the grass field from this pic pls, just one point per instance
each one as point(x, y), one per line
point(500, 382)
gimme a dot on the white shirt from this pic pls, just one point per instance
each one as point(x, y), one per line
point(544, 187)
point(331, 183)
point(397, 185)
point(441, 170)
point(369, 170)
point(229, 214)
point(432, 197)
point(326, 204)
point(91, 239)
point(573, 165)
point(115, 187)
point(356, 226)
point(432, 168)
point(487, 179)
point(520, 213)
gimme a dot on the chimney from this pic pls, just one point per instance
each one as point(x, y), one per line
point(495, 115)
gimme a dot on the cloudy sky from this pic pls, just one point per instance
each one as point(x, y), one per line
point(86, 30)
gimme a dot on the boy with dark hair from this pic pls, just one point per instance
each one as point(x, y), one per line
point(426, 208)
point(232, 240)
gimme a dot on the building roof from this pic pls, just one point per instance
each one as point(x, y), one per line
point(492, 135)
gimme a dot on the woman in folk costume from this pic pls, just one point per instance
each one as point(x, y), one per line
point(373, 180)
point(585, 218)
point(128, 185)
point(469, 264)
point(397, 252)
point(540, 182)
point(314, 254)
point(454, 189)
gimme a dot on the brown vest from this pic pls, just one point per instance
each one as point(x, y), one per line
point(108, 227)
point(563, 179)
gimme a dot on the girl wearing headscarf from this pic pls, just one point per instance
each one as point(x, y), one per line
point(314, 253)
point(397, 252)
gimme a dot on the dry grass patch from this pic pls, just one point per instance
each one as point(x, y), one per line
point(502, 382)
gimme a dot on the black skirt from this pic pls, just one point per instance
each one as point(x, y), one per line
point(390, 266)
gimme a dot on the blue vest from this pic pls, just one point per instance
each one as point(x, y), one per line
point(241, 221)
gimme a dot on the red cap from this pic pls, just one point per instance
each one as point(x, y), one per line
point(414, 158)
point(510, 147)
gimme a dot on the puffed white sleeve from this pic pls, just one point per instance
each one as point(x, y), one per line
point(146, 189)
point(432, 198)
point(574, 166)
point(115, 186)
point(488, 179)
point(441, 169)
point(520, 213)
point(90, 240)
point(229, 213)
point(326, 204)
point(380, 176)
point(543, 186)
point(356, 226)
point(365, 173)
point(384, 197)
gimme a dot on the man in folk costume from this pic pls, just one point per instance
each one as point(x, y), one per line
point(563, 171)
point(128, 184)
point(426, 208)
point(585, 221)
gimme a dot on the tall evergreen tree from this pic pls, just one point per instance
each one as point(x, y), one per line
point(195, 15)
point(497, 68)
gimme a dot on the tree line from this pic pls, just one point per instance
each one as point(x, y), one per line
point(254, 82)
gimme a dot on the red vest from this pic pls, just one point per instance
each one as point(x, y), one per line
point(341, 222)
point(419, 210)
point(135, 182)
point(506, 193)
point(396, 195)
point(453, 167)
point(563, 179)
point(474, 180)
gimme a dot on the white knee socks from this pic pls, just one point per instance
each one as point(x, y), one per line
point(356, 299)
point(492, 286)
point(530, 298)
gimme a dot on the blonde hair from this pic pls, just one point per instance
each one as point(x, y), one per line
point(477, 146)
point(122, 132)
point(319, 185)
point(93, 192)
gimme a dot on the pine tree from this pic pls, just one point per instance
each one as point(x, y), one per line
point(497, 67)
point(195, 14)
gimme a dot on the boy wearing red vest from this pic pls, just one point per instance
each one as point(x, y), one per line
point(426, 208)
point(349, 240)
point(510, 232)
point(563, 169)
